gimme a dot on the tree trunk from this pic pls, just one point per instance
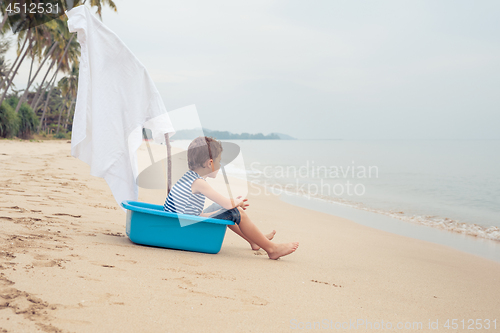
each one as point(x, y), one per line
point(47, 100)
point(15, 71)
point(51, 82)
point(59, 120)
point(26, 91)
point(5, 18)
point(14, 64)
point(9, 82)
point(37, 95)
point(32, 61)
point(21, 100)
point(60, 62)
point(67, 116)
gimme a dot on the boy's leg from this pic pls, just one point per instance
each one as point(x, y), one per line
point(216, 209)
point(254, 246)
point(250, 230)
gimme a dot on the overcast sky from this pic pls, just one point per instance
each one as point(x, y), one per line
point(324, 69)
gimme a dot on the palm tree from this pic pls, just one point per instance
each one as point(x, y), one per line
point(69, 89)
point(60, 52)
point(47, 102)
point(5, 18)
point(4, 47)
point(43, 35)
point(10, 79)
point(44, 41)
point(69, 55)
point(20, 23)
point(72, 52)
point(19, 52)
point(63, 104)
point(66, 123)
point(98, 4)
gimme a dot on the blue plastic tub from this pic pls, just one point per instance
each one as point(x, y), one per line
point(149, 224)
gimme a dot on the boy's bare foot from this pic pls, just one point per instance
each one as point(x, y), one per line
point(269, 236)
point(282, 250)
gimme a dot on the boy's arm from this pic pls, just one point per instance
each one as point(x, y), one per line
point(201, 186)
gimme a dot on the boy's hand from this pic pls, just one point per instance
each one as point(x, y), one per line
point(241, 202)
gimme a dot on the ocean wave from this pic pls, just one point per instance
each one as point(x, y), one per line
point(443, 223)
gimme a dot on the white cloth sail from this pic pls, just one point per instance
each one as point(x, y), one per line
point(116, 98)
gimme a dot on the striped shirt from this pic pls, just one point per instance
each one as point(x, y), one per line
point(181, 200)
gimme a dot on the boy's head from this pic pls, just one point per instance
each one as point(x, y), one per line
point(201, 150)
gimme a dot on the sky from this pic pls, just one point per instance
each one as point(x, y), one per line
point(351, 70)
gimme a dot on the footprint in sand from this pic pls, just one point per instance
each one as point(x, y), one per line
point(41, 257)
point(117, 234)
point(186, 281)
point(18, 209)
point(4, 157)
point(129, 261)
point(251, 299)
point(28, 306)
point(108, 266)
point(7, 254)
point(330, 284)
point(49, 263)
point(255, 300)
point(88, 278)
point(64, 214)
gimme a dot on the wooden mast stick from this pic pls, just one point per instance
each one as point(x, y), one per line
point(227, 185)
point(169, 163)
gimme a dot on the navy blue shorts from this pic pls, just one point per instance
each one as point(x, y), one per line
point(224, 214)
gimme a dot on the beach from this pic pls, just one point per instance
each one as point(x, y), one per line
point(66, 265)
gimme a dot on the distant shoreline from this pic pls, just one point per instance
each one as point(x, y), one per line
point(190, 134)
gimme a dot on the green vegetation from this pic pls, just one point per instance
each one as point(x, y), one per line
point(28, 121)
point(8, 121)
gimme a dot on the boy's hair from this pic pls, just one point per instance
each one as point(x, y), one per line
point(202, 149)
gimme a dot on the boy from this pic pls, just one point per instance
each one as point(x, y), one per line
point(188, 197)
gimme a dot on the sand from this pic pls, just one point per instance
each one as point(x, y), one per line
point(67, 266)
